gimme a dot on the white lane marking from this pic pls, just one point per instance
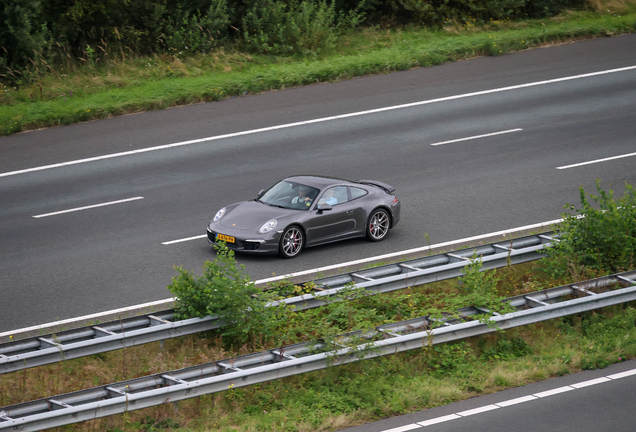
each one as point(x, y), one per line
point(622, 374)
point(184, 239)
point(319, 120)
point(477, 137)
point(166, 302)
point(596, 161)
point(477, 410)
point(379, 257)
point(406, 252)
point(516, 401)
point(92, 317)
point(439, 420)
point(404, 428)
point(553, 391)
point(590, 382)
point(88, 207)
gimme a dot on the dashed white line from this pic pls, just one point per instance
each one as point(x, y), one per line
point(590, 382)
point(622, 374)
point(477, 137)
point(439, 420)
point(404, 428)
point(516, 401)
point(184, 239)
point(553, 391)
point(320, 120)
point(511, 402)
point(88, 207)
point(477, 410)
point(596, 161)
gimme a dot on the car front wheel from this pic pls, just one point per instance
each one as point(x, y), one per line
point(291, 242)
point(378, 225)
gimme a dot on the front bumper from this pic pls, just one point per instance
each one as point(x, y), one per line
point(242, 243)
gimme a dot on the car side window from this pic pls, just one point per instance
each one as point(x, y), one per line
point(357, 192)
point(334, 196)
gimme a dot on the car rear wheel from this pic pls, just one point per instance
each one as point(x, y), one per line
point(291, 242)
point(378, 225)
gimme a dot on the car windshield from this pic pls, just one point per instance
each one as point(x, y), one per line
point(288, 194)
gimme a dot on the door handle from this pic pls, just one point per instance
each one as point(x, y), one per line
point(349, 212)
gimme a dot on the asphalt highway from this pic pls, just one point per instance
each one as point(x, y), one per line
point(509, 129)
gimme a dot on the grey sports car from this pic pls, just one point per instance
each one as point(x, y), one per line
point(304, 211)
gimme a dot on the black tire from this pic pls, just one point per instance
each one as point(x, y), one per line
point(378, 225)
point(291, 242)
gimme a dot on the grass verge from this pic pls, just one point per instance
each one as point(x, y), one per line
point(356, 393)
point(135, 85)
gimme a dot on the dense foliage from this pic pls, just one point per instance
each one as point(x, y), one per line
point(600, 235)
point(35, 34)
point(223, 290)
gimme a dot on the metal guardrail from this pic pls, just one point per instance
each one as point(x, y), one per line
point(296, 359)
point(95, 339)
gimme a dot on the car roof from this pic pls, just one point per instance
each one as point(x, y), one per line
point(317, 181)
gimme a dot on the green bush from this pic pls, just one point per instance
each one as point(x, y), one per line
point(197, 32)
point(601, 235)
point(456, 358)
point(22, 37)
point(224, 290)
point(274, 27)
point(507, 349)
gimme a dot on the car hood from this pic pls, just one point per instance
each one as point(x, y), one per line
point(251, 214)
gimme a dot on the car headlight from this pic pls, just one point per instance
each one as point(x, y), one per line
point(268, 226)
point(219, 215)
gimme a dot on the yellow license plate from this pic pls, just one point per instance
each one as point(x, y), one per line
point(225, 238)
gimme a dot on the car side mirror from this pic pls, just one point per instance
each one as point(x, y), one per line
point(260, 192)
point(324, 207)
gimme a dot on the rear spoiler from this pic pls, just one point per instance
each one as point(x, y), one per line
point(388, 188)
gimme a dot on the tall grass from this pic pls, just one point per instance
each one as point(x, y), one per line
point(131, 85)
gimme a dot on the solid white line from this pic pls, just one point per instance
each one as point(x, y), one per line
point(319, 120)
point(477, 410)
point(590, 382)
point(88, 207)
point(553, 391)
point(409, 251)
point(438, 420)
point(516, 401)
point(477, 137)
point(595, 161)
point(167, 302)
point(622, 374)
point(91, 317)
point(184, 239)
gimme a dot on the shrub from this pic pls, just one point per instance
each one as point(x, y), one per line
point(601, 235)
point(223, 290)
point(274, 27)
point(21, 36)
point(197, 32)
